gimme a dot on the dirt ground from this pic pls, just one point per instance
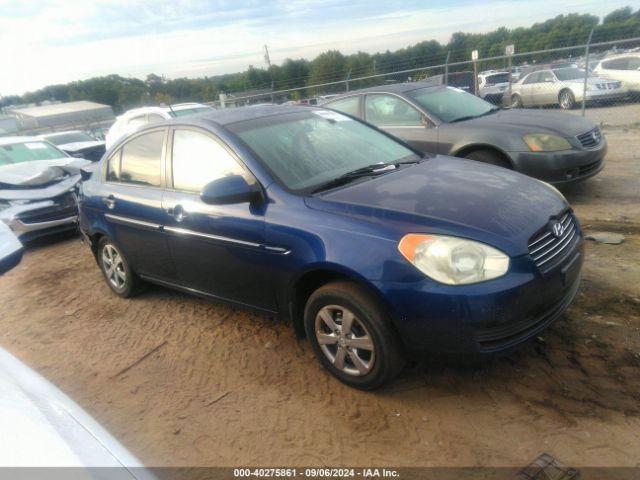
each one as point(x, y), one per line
point(227, 387)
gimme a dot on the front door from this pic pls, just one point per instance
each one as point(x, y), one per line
point(216, 249)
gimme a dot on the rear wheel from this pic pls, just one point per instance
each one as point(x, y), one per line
point(516, 101)
point(116, 269)
point(488, 156)
point(351, 336)
point(566, 100)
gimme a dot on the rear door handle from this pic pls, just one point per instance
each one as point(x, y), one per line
point(109, 201)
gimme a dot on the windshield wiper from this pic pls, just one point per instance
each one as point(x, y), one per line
point(471, 117)
point(369, 170)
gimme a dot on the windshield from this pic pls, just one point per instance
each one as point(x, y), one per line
point(498, 78)
point(71, 137)
point(307, 149)
point(570, 73)
point(450, 104)
point(189, 111)
point(28, 152)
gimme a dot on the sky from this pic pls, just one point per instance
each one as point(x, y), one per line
point(43, 42)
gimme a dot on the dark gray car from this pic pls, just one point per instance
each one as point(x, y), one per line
point(555, 147)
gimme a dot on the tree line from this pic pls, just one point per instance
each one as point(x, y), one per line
point(123, 93)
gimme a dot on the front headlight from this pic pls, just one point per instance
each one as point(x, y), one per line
point(541, 142)
point(453, 260)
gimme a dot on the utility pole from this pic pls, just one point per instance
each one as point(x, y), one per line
point(586, 72)
point(268, 62)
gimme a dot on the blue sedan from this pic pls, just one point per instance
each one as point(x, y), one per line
point(374, 251)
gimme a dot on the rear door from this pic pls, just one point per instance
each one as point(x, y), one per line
point(217, 249)
point(527, 86)
point(401, 119)
point(547, 89)
point(132, 201)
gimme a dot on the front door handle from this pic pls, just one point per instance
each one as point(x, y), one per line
point(109, 201)
point(177, 212)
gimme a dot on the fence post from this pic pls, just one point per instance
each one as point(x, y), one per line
point(474, 58)
point(446, 68)
point(346, 81)
point(586, 72)
point(509, 50)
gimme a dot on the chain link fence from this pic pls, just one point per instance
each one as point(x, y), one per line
point(577, 78)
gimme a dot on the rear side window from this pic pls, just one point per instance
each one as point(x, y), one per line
point(349, 105)
point(198, 159)
point(140, 161)
point(532, 78)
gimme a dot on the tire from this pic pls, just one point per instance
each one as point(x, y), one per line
point(376, 360)
point(120, 279)
point(490, 157)
point(567, 100)
point(516, 101)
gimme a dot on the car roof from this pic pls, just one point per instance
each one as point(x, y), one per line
point(184, 106)
point(396, 88)
point(227, 116)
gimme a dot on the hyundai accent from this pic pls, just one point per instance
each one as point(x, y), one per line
point(374, 251)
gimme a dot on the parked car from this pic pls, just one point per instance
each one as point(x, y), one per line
point(371, 248)
point(77, 144)
point(462, 80)
point(493, 85)
point(563, 86)
point(131, 120)
point(551, 146)
point(10, 249)
point(624, 68)
point(47, 435)
point(38, 184)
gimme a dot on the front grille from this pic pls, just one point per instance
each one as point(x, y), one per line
point(64, 206)
point(502, 336)
point(590, 139)
point(550, 247)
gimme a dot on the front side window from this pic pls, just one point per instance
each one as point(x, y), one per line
point(199, 159)
point(348, 105)
point(140, 160)
point(451, 104)
point(307, 149)
point(389, 110)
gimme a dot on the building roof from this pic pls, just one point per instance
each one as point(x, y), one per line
point(60, 108)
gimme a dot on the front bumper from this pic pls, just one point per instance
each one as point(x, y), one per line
point(564, 167)
point(36, 219)
point(486, 317)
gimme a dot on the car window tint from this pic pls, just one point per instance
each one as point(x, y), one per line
point(155, 118)
point(141, 159)
point(198, 159)
point(347, 105)
point(113, 167)
point(390, 111)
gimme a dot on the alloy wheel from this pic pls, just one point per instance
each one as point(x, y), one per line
point(344, 340)
point(113, 266)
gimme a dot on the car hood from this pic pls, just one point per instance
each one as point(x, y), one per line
point(42, 427)
point(40, 172)
point(529, 121)
point(452, 196)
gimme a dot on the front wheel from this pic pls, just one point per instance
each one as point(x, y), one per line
point(351, 336)
point(567, 100)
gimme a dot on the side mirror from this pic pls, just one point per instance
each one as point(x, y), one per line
point(425, 122)
point(228, 190)
point(86, 172)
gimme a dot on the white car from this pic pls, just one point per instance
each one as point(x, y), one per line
point(45, 430)
point(493, 85)
point(623, 67)
point(131, 120)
